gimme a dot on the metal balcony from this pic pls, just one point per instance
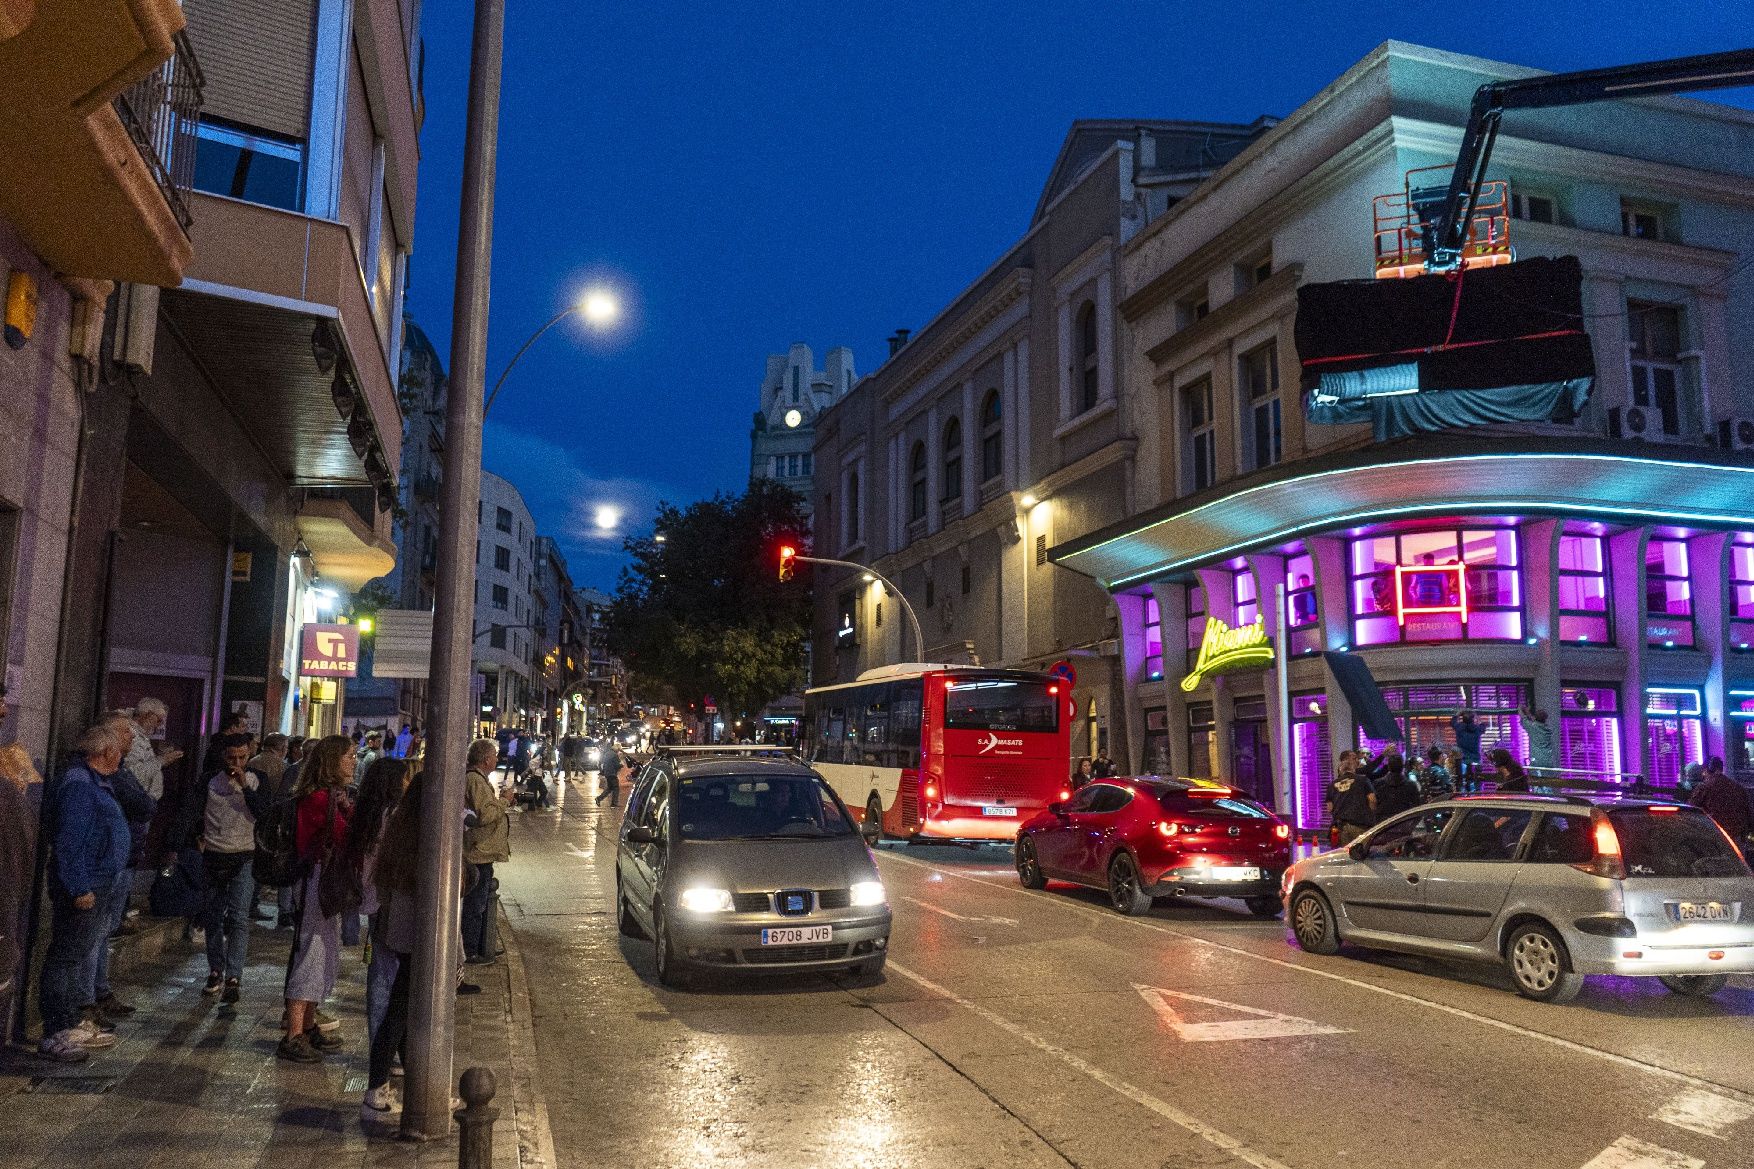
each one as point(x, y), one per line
point(161, 112)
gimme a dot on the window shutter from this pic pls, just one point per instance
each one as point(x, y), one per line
point(256, 60)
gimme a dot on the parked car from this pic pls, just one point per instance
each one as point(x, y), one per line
point(1553, 887)
point(1147, 837)
point(738, 863)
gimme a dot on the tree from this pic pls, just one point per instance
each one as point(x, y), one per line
point(702, 612)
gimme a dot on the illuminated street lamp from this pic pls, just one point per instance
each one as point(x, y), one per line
point(600, 307)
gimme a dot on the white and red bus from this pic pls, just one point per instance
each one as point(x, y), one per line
point(946, 752)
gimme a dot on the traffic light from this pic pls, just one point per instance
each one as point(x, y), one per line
point(788, 561)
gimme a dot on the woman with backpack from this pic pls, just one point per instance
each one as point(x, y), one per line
point(379, 793)
point(322, 813)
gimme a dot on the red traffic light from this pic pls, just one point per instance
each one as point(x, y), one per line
point(788, 561)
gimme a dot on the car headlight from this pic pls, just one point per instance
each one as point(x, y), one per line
point(705, 900)
point(868, 893)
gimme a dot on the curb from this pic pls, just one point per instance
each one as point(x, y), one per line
point(535, 1139)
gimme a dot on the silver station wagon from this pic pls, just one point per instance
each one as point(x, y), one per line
point(1553, 887)
point(744, 864)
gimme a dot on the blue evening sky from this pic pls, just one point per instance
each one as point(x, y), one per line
point(756, 174)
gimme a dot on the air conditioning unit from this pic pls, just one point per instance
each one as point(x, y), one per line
point(1736, 434)
point(1639, 423)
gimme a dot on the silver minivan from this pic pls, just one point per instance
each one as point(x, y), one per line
point(1553, 887)
point(746, 864)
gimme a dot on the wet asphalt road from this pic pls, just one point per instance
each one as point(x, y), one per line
point(1025, 1029)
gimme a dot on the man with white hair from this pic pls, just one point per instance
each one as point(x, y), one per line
point(146, 759)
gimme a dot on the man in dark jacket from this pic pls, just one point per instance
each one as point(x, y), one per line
point(90, 847)
point(1726, 801)
point(1396, 791)
point(1351, 799)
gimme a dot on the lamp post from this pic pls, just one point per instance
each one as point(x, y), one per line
point(598, 306)
point(873, 574)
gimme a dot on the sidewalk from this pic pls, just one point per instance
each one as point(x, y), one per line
point(194, 1085)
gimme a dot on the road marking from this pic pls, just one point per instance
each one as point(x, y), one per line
point(1632, 1153)
point(1706, 1113)
point(954, 916)
point(1212, 1136)
point(577, 851)
point(1263, 1024)
point(1612, 1057)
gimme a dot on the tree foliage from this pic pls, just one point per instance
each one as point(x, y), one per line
point(703, 612)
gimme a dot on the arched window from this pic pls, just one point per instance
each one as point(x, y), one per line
point(992, 437)
point(952, 460)
point(916, 464)
point(1085, 367)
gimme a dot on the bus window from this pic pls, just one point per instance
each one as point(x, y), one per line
point(1000, 704)
point(874, 725)
point(904, 715)
point(834, 735)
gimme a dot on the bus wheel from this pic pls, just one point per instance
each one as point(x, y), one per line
point(873, 823)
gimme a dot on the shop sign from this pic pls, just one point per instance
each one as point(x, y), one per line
point(329, 651)
point(1440, 588)
point(1223, 649)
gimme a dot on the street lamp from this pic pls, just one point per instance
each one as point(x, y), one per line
point(600, 307)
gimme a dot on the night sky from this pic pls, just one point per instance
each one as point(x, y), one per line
point(758, 174)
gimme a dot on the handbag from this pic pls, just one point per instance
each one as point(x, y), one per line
point(181, 889)
point(338, 886)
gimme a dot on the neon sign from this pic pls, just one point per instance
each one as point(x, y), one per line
point(1223, 648)
point(1440, 588)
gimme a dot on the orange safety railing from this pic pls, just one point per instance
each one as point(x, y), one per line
point(1399, 230)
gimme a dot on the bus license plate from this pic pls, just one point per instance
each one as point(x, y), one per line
point(1702, 911)
point(1234, 873)
point(797, 935)
point(997, 810)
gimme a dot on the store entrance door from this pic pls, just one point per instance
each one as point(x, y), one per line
point(1250, 754)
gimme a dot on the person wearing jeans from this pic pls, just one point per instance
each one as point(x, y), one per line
point(485, 843)
point(227, 806)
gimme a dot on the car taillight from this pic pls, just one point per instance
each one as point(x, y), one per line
point(1168, 827)
point(1065, 794)
point(1608, 860)
point(931, 791)
point(1282, 831)
point(1663, 810)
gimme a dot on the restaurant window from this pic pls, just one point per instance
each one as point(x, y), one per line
point(1246, 598)
point(1668, 595)
point(1301, 606)
point(1202, 432)
point(1589, 733)
point(1655, 359)
point(1196, 623)
point(1423, 711)
point(1673, 733)
point(1312, 757)
point(1202, 730)
point(1739, 741)
point(1583, 589)
point(1153, 640)
point(1452, 584)
point(1257, 380)
point(1741, 599)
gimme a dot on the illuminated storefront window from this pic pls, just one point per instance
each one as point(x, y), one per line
point(1312, 757)
point(1301, 606)
point(1589, 732)
point(1673, 733)
point(1246, 596)
point(1741, 598)
point(1202, 730)
point(1153, 640)
point(1196, 623)
point(1444, 585)
point(1740, 740)
point(1583, 589)
point(1668, 595)
point(1423, 713)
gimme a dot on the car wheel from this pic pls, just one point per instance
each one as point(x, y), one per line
point(1028, 867)
point(1695, 985)
point(624, 918)
point(1312, 923)
point(1267, 907)
point(669, 970)
point(1539, 965)
point(1126, 892)
point(872, 827)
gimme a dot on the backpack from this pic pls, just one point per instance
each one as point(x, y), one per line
point(277, 862)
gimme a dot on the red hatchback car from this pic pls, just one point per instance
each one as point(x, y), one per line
point(1147, 837)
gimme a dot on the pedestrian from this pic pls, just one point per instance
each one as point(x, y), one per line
point(323, 810)
point(367, 755)
point(1396, 791)
point(145, 759)
point(609, 766)
point(223, 813)
point(1691, 777)
point(1102, 767)
point(1351, 800)
point(1468, 732)
point(385, 783)
point(1081, 773)
point(235, 723)
point(1539, 731)
point(1435, 780)
point(101, 1002)
point(295, 753)
point(295, 756)
point(90, 847)
point(1511, 776)
point(1726, 801)
point(269, 764)
point(486, 842)
point(18, 842)
point(404, 741)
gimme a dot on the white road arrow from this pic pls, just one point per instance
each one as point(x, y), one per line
point(1631, 1153)
point(927, 905)
point(1259, 1025)
point(1705, 1113)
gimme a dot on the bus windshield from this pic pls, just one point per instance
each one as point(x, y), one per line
point(1000, 704)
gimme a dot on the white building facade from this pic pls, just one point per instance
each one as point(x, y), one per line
point(506, 617)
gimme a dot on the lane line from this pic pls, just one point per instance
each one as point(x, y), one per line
point(1570, 1045)
point(954, 916)
point(1212, 1136)
point(1262, 1024)
point(1632, 1153)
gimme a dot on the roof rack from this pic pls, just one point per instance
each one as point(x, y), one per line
point(732, 750)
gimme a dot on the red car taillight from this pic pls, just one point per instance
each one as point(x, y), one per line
point(1065, 794)
point(1168, 828)
point(1608, 861)
point(1282, 831)
point(931, 791)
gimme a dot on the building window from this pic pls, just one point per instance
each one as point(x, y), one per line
point(502, 519)
point(1312, 757)
point(1202, 730)
point(931, 593)
point(850, 522)
point(502, 558)
point(1442, 585)
point(952, 460)
point(1195, 306)
point(1246, 597)
point(967, 580)
point(1302, 604)
point(1423, 711)
point(1153, 640)
point(1741, 598)
point(1583, 589)
point(502, 597)
point(1668, 595)
point(806, 462)
point(1253, 273)
point(1644, 221)
point(1196, 610)
point(1655, 357)
point(1257, 378)
point(916, 504)
point(1086, 365)
point(992, 437)
point(496, 637)
point(1673, 733)
point(1534, 208)
point(1589, 732)
point(1202, 432)
point(249, 164)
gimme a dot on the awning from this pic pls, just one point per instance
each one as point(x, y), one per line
point(1369, 710)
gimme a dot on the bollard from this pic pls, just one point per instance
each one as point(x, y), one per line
point(475, 1120)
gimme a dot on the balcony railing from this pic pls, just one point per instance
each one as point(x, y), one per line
point(161, 112)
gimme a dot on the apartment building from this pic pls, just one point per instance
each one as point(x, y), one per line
point(560, 661)
point(506, 626)
point(1596, 565)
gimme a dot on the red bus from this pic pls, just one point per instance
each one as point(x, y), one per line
point(946, 752)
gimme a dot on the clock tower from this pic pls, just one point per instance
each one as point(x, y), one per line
point(793, 393)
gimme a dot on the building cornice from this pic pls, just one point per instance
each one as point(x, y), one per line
point(1015, 286)
point(1218, 324)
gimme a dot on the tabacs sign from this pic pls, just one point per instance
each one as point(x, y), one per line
point(329, 651)
point(1223, 648)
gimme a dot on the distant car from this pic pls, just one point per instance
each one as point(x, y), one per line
point(742, 864)
point(1144, 838)
point(1553, 887)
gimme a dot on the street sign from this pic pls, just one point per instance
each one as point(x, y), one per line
point(329, 651)
point(1065, 672)
point(402, 644)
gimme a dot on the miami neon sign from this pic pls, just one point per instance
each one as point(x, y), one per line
point(1223, 648)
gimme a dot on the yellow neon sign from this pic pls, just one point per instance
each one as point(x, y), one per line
point(1223, 648)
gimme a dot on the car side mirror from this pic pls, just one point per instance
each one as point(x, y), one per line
point(1056, 808)
point(641, 834)
point(1357, 850)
